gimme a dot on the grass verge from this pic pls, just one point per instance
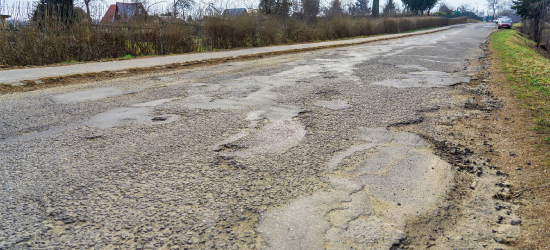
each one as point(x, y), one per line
point(523, 75)
point(528, 72)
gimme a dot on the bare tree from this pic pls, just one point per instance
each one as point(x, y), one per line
point(494, 5)
point(464, 8)
point(281, 8)
point(87, 3)
point(182, 5)
point(445, 8)
point(267, 6)
point(296, 6)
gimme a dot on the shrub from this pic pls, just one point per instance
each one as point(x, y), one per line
point(55, 42)
point(296, 31)
point(269, 32)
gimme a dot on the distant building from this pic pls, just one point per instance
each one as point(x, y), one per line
point(3, 19)
point(234, 13)
point(124, 12)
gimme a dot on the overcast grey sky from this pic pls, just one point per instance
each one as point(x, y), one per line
point(7, 6)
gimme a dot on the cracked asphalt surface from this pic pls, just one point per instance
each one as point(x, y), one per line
point(300, 151)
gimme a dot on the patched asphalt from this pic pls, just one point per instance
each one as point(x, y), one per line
point(297, 151)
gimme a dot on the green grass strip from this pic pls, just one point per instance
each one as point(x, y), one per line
point(528, 71)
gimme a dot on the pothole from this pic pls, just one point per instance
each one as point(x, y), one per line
point(159, 119)
point(425, 79)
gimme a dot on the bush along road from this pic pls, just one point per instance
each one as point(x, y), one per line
point(373, 146)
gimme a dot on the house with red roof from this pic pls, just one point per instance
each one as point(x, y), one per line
point(124, 12)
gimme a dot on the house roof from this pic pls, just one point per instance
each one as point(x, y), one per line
point(124, 11)
point(127, 10)
point(109, 16)
point(234, 12)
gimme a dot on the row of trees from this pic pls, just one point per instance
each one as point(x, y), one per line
point(536, 16)
point(305, 9)
point(311, 8)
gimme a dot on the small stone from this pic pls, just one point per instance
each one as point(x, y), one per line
point(69, 220)
point(499, 240)
point(515, 222)
point(474, 184)
point(498, 172)
point(528, 163)
point(518, 168)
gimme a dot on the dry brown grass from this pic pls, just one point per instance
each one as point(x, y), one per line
point(50, 44)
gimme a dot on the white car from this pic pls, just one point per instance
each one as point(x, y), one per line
point(500, 18)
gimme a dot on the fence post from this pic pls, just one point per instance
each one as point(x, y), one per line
point(162, 42)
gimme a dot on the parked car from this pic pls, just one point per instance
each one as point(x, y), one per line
point(505, 23)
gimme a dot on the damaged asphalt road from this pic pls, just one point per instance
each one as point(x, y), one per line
point(334, 149)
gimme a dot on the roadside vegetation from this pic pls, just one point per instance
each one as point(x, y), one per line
point(529, 73)
point(55, 42)
point(526, 73)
